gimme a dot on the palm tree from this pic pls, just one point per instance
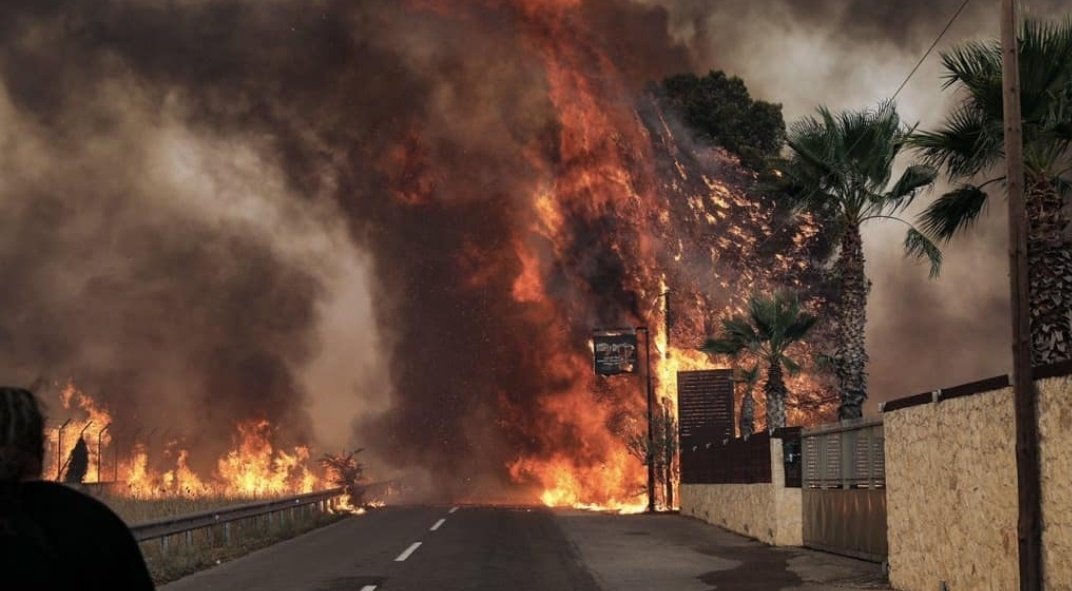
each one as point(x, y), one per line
point(840, 167)
point(970, 144)
point(771, 326)
point(748, 378)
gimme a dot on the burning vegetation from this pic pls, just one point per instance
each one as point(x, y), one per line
point(89, 448)
point(503, 164)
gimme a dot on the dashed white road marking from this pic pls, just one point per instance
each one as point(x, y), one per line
point(453, 509)
point(437, 525)
point(408, 551)
point(369, 588)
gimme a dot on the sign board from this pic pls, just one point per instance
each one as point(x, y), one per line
point(615, 353)
point(705, 405)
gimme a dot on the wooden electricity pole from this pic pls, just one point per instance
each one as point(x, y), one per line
point(1027, 461)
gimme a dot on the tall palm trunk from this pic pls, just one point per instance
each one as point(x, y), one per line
point(851, 355)
point(748, 413)
point(776, 394)
point(1049, 273)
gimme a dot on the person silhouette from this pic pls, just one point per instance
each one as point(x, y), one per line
point(53, 537)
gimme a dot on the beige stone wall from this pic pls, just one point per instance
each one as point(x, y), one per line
point(769, 513)
point(1055, 441)
point(743, 508)
point(952, 495)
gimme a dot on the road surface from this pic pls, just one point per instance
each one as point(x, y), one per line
point(486, 548)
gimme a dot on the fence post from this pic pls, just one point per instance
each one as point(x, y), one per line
point(870, 457)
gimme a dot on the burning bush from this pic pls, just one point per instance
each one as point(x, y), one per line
point(346, 471)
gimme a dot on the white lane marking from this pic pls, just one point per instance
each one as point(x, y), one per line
point(453, 510)
point(406, 554)
point(369, 588)
point(437, 525)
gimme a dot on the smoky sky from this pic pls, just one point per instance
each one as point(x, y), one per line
point(182, 185)
point(852, 54)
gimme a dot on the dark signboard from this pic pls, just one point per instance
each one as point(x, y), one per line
point(705, 404)
point(615, 353)
point(705, 420)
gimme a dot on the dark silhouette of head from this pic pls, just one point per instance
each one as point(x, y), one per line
point(22, 435)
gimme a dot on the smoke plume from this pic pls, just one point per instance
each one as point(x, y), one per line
point(203, 202)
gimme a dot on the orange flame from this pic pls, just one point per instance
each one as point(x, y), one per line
point(253, 467)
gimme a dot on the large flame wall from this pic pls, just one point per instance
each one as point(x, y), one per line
point(500, 161)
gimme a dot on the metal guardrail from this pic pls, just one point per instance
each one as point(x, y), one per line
point(176, 525)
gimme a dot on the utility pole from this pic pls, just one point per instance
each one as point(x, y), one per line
point(667, 416)
point(1029, 531)
point(651, 420)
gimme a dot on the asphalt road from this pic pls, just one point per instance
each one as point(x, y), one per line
point(485, 548)
point(472, 548)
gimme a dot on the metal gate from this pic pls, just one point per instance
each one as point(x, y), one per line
point(844, 489)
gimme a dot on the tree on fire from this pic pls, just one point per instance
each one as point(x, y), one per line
point(970, 143)
point(839, 166)
point(772, 325)
point(719, 109)
point(346, 471)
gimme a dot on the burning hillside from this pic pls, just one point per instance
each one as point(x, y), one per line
point(498, 162)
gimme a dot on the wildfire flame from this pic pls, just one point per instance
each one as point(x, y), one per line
point(253, 467)
point(620, 207)
point(668, 214)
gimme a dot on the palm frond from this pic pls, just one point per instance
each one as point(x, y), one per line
point(953, 212)
point(791, 366)
point(722, 346)
point(749, 376)
point(1045, 64)
point(736, 336)
point(964, 145)
point(800, 326)
point(763, 314)
point(974, 64)
point(917, 245)
point(914, 179)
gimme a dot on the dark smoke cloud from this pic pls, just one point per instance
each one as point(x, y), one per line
point(161, 306)
point(155, 247)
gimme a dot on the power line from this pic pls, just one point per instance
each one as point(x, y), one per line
point(904, 83)
point(926, 54)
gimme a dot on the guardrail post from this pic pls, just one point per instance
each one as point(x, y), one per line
point(227, 533)
point(189, 538)
point(164, 545)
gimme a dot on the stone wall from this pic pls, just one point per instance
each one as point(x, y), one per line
point(952, 495)
point(768, 512)
point(1055, 454)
